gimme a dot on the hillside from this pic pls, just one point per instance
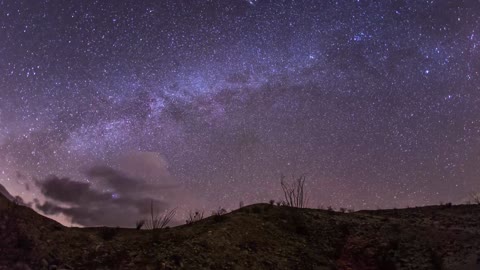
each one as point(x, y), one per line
point(258, 236)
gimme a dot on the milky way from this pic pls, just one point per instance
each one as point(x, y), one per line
point(203, 104)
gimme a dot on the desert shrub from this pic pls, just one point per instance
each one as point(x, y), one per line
point(271, 202)
point(445, 205)
point(139, 224)
point(194, 217)
point(159, 221)
point(219, 215)
point(108, 233)
point(294, 192)
point(343, 209)
point(330, 210)
point(475, 197)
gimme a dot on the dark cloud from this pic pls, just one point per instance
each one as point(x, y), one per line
point(125, 199)
point(121, 182)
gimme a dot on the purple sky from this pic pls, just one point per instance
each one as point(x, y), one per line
point(201, 104)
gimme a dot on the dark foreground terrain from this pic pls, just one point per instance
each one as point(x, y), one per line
point(259, 236)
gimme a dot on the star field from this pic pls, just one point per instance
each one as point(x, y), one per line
point(376, 102)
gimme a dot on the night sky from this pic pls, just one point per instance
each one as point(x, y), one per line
point(105, 105)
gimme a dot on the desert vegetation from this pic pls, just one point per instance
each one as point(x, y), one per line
point(156, 220)
point(294, 192)
point(194, 217)
point(475, 197)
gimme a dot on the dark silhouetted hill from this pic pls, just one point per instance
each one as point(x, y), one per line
point(6, 194)
point(258, 236)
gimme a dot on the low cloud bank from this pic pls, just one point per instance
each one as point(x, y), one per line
point(117, 199)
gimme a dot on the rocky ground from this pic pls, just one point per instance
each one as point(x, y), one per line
point(260, 236)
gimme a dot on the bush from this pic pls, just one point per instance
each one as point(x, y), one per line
point(219, 215)
point(475, 197)
point(446, 205)
point(158, 221)
point(194, 217)
point(139, 224)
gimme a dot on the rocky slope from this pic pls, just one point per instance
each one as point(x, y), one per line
point(259, 236)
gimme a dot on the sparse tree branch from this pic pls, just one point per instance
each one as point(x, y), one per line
point(294, 192)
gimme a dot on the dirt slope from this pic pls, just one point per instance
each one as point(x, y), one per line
point(259, 236)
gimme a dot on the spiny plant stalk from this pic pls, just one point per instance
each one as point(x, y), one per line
point(158, 221)
point(294, 192)
point(475, 197)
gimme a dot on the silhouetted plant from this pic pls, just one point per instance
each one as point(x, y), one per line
point(241, 204)
point(271, 202)
point(194, 217)
point(343, 209)
point(139, 224)
point(158, 221)
point(446, 205)
point(475, 197)
point(294, 192)
point(219, 214)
